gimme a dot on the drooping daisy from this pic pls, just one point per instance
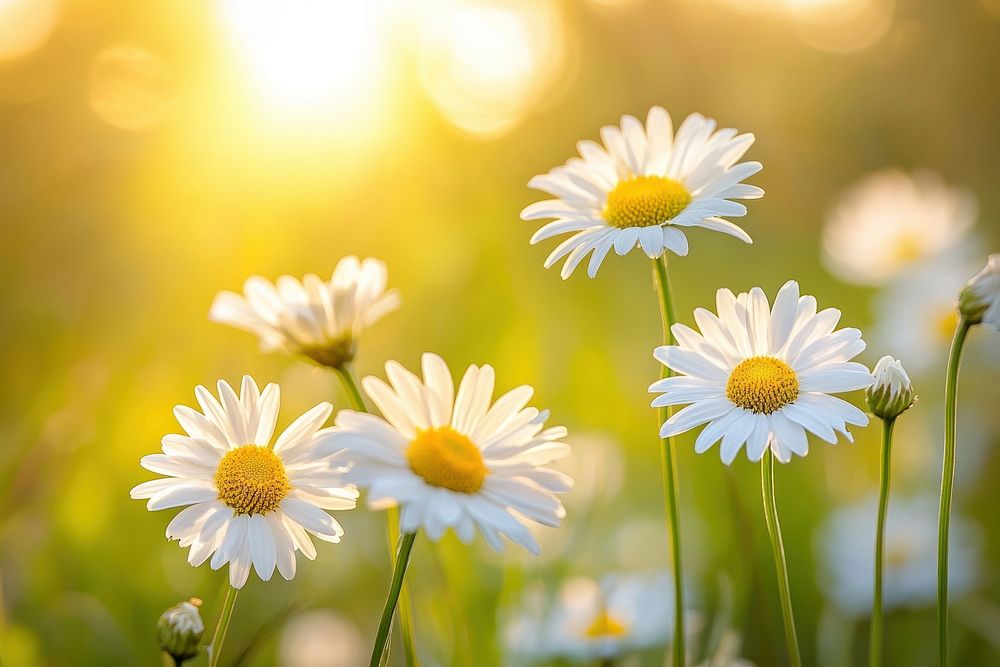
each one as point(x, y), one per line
point(248, 502)
point(979, 300)
point(891, 221)
point(642, 187)
point(319, 319)
point(761, 375)
point(455, 460)
point(591, 620)
point(846, 540)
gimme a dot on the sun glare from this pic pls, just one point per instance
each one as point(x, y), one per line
point(25, 25)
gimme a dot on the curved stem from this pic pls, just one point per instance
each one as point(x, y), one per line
point(219, 638)
point(948, 483)
point(774, 530)
point(875, 641)
point(668, 460)
point(350, 383)
point(402, 560)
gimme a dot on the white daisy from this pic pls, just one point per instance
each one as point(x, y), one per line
point(979, 299)
point(892, 392)
point(846, 545)
point(321, 320)
point(591, 620)
point(762, 376)
point(454, 460)
point(641, 187)
point(248, 502)
point(890, 221)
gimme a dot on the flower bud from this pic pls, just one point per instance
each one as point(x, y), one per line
point(892, 393)
point(180, 630)
point(979, 300)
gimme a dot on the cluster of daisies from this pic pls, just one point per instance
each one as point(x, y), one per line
point(755, 375)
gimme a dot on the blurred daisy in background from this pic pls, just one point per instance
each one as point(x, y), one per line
point(641, 187)
point(891, 221)
point(846, 544)
point(761, 375)
point(321, 638)
point(319, 319)
point(727, 653)
point(589, 620)
point(248, 503)
point(455, 459)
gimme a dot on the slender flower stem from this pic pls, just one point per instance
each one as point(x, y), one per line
point(875, 642)
point(350, 383)
point(402, 560)
point(219, 638)
point(948, 483)
point(774, 530)
point(668, 459)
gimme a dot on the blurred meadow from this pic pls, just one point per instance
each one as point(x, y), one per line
point(155, 153)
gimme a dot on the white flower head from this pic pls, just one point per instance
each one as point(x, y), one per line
point(891, 221)
point(455, 459)
point(248, 503)
point(892, 393)
point(847, 555)
point(591, 620)
point(761, 375)
point(979, 300)
point(180, 630)
point(642, 187)
point(319, 319)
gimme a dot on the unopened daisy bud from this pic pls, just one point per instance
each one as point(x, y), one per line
point(892, 393)
point(180, 630)
point(979, 300)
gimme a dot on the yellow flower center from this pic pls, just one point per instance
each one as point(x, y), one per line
point(947, 323)
point(762, 384)
point(446, 458)
point(908, 248)
point(251, 480)
point(644, 201)
point(604, 626)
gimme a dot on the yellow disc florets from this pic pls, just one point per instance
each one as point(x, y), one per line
point(251, 480)
point(644, 201)
point(604, 626)
point(762, 384)
point(446, 458)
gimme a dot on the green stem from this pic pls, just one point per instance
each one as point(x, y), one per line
point(668, 460)
point(948, 483)
point(399, 570)
point(774, 530)
point(219, 638)
point(875, 642)
point(350, 383)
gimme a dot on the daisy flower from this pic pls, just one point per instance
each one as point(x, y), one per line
point(761, 375)
point(891, 221)
point(845, 544)
point(452, 459)
point(979, 300)
point(642, 187)
point(319, 319)
point(247, 502)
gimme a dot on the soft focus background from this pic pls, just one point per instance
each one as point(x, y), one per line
point(154, 153)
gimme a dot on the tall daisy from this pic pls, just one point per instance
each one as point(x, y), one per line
point(642, 187)
point(891, 221)
point(319, 319)
point(247, 502)
point(452, 460)
point(762, 377)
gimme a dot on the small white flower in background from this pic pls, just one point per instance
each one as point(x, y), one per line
point(180, 630)
point(979, 300)
point(249, 503)
point(321, 638)
point(727, 652)
point(846, 544)
point(455, 460)
point(319, 319)
point(762, 376)
point(892, 393)
point(891, 221)
point(591, 620)
point(641, 187)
